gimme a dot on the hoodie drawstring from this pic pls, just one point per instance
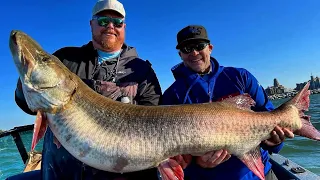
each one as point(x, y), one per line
point(187, 93)
point(116, 68)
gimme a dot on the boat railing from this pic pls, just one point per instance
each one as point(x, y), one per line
point(15, 133)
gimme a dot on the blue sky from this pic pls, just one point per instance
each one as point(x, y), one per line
point(269, 38)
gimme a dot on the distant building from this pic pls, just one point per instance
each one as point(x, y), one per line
point(275, 89)
point(314, 84)
point(276, 82)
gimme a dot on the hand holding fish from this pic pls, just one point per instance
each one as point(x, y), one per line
point(278, 135)
point(184, 160)
point(213, 158)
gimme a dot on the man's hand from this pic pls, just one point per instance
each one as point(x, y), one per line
point(278, 135)
point(213, 158)
point(183, 160)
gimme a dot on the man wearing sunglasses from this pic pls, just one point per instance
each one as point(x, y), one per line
point(199, 78)
point(110, 67)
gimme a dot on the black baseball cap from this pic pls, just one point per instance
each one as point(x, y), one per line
point(192, 33)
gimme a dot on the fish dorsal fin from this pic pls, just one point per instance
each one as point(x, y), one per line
point(241, 101)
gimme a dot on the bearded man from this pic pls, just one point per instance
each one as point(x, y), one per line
point(111, 68)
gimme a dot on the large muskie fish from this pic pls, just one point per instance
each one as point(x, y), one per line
point(118, 137)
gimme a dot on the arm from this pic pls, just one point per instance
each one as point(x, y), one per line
point(209, 159)
point(256, 91)
point(258, 94)
point(170, 97)
point(149, 90)
point(167, 98)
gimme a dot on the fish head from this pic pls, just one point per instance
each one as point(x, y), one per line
point(46, 83)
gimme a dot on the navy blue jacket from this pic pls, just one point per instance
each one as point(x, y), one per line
point(191, 88)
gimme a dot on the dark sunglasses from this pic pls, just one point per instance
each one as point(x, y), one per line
point(191, 47)
point(105, 20)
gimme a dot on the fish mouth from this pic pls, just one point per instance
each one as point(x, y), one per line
point(43, 88)
point(22, 55)
point(13, 44)
point(13, 37)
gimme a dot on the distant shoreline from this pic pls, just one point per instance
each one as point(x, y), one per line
point(290, 94)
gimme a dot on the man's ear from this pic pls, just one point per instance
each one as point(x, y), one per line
point(210, 47)
point(90, 22)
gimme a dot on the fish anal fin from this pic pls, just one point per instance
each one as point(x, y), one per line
point(171, 170)
point(40, 128)
point(253, 161)
point(241, 101)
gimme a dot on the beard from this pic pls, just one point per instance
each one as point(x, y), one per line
point(107, 43)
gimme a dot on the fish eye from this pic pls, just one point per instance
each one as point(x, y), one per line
point(45, 58)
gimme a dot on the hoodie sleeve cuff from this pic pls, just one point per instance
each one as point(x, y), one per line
point(273, 149)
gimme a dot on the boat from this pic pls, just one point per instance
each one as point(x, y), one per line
point(284, 168)
point(31, 159)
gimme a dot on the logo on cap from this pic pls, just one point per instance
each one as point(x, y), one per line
point(195, 30)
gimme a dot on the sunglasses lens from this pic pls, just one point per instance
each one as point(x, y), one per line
point(191, 47)
point(117, 22)
point(104, 21)
point(201, 46)
point(186, 49)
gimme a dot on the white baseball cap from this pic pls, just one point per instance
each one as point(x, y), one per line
point(114, 5)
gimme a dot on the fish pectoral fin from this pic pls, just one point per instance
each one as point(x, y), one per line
point(253, 161)
point(171, 170)
point(40, 128)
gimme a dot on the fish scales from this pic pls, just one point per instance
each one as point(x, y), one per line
point(117, 137)
point(132, 132)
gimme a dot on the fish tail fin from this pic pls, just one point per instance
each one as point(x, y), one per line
point(253, 161)
point(302, 102)
point(40, 127)
point(171, 170)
